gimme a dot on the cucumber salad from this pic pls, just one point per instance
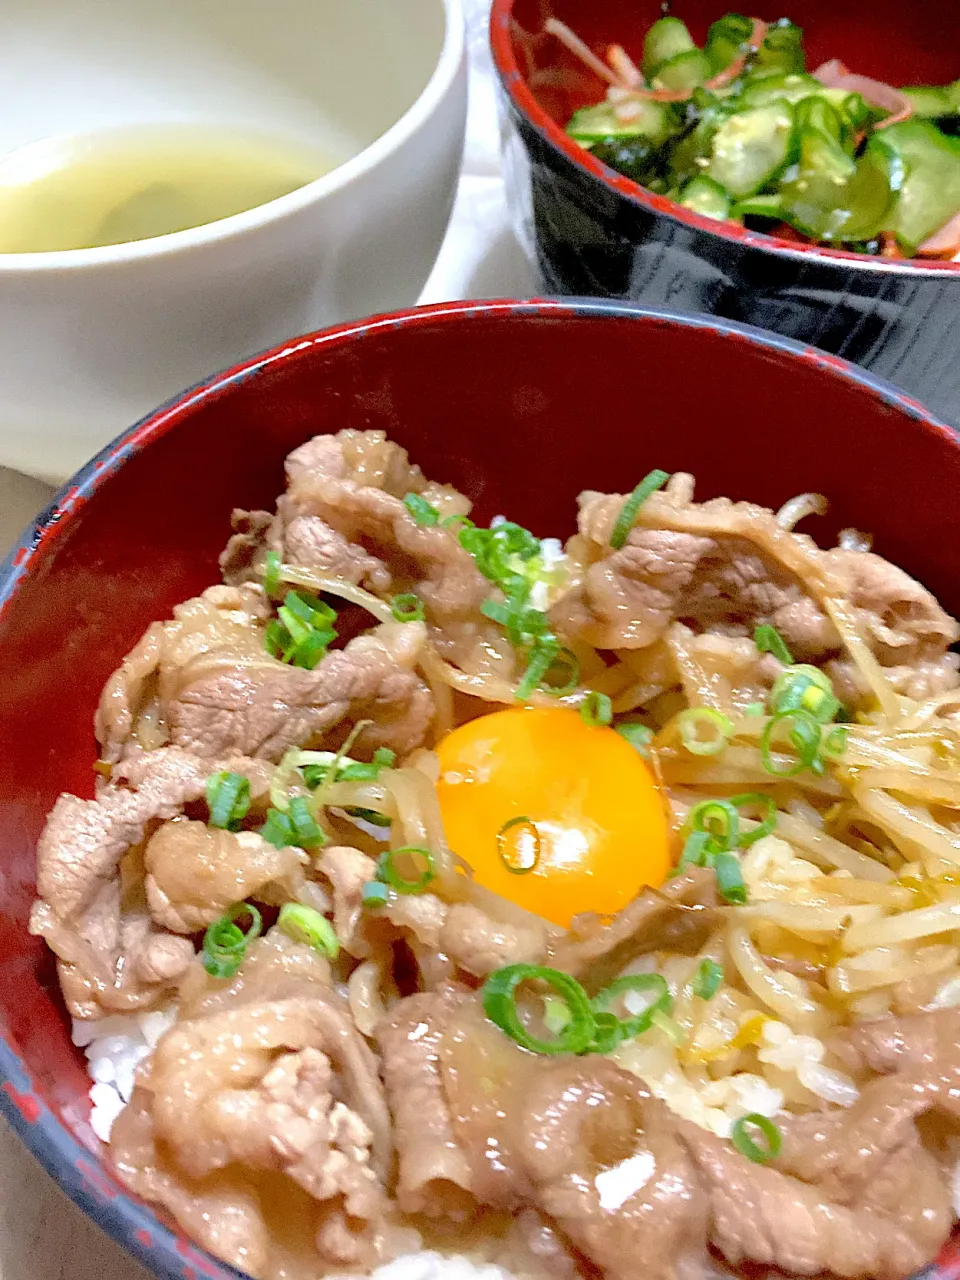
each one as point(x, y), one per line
point(739, 130)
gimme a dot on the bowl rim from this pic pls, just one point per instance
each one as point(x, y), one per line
point(514, 85)
point(78, 1171)
point(447, 68)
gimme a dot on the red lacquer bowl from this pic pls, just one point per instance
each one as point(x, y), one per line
point(520, 405)
point(590, 230)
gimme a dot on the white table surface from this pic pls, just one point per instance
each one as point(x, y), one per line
point(42, 1235)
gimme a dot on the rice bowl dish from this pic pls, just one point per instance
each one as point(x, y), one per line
point(668, 816)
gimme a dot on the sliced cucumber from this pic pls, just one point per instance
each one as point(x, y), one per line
point(637, 158)
point(665, 39)
point(930, 100)
point(816, 113)
point(726, 39)
point(688, 153)
point(758, 91)
point(705, 196)
point(652, 120)
point(751, 147)
point(683, 71)
point(931, 189)
point(761, 206)
point(782, 49)
point(835, 198)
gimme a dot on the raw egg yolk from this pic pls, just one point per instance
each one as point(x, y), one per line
point(554, 814)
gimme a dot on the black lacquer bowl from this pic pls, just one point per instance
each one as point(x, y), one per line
point(588, 230)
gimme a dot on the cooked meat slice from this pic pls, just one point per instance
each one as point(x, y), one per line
point(332, 478)
point(275, 968)
point(78, 859)
point(434, 1173)
point(628, 599)
point(222, 1212)
point(348, 870)
point(291, 1122)
point(242, 559)
point(308, 542)
point(535, 1248)
point(365, 458)
point(871, 1154)
point(224, 623)
point(89, 949)
point(261, 709)
point(901, 620)
point(83, 840)
point(195, 872)
point(923, 1051)
point(759, 1214)
point(608, 1167)
point(486, 1078)
point(480, 944)
point(162, 959)
point(677, 917)
point(725, 567)
point(203, 1070)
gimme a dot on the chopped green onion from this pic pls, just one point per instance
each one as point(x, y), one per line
point(835, 742)
point(754, 709)
point(407, 608)
point(695, 850)
point(301, 632)
point(650, 483)
point(457, 522)
point(500, 1005)
point(596, 709)
point(541, 659)
point(803, 733)
point(225, 943)
point(388, 872)
point(706, 984)
point(556, 1014)
point(639, 736)
point(278, 829)
point(608, 1033)
point(304, 924)
point(228, 798)
point(374, 818)
point(767, 823)
point(773, 1140)
point(271, 574)
point(304, 825)
point(721, 822)
point(804, 688)
point(421, 510)
point(375, 894)
point(694, 721)
point(360, 771)
point(730, 883)
point(524, 846)
point(522, 624)
point(653, 984)
point(564, 662)
point(769, 640)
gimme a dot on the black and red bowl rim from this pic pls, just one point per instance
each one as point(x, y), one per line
point(167, 1253)
point(525, 103)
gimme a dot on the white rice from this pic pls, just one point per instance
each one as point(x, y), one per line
point(113, 1047)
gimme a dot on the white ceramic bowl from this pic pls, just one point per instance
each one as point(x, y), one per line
point(91, 339)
